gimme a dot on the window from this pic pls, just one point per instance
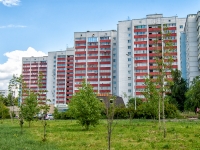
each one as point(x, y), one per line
point(129, 71)
point(114, 44)
point(114, 49)
point(129, 59)
point(169, 20)
point(114, 60)
point(114, 77)
point(129, 53)
point(129, 65)
point(181, 26)
point(129, 47)
point(129, 41)
point(129, 78)
point(129, 29)
point(92, 39)
point(129, 90)
point(129, 84)
point(129, 35)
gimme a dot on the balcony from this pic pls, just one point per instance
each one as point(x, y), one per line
point(154, 29)
point(154, 35)
point(140, 36)
point(80, 42)
point(104, 46)
point(80, 58)
point(140, 61)
point(140, 30)
point(80, 52)
point(141, 74)
point(140, 48)
point(101, 41)
point(138, 55)
point(93, 46)
point(105, 79)
point(141, 67)
point(92, 57)
point(80, 47)
point(140, 42)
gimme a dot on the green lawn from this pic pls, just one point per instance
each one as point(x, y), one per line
point(68, 135)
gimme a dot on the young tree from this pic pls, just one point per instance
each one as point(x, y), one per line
point(109, 106)
point(85, 106)
point(151, 95)
point(43, 106)
point(30, 107)
point(161, 61)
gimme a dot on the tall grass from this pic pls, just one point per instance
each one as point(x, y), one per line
point(68, 135)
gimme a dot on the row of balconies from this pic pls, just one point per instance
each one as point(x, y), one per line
point(153, 29)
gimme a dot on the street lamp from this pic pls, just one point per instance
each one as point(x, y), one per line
point(134, 83)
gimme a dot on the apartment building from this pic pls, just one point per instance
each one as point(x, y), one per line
point(95, 57)
point(60, 70)
point(135, 50)
point(192, 46)
point(31, 68)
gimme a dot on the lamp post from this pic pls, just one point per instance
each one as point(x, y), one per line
point(134, 83)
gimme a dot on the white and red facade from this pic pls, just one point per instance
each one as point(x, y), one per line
point(93, 59)
point(136, 50)
point(31, 68)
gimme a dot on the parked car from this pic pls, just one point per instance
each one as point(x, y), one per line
point(49, 117)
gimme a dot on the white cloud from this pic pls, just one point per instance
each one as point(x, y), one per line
point(13, 26)
point(13, 65)
point(10, 2)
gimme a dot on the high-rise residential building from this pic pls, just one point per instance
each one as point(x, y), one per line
point(60, 70)
point(192, 46)
point(135, 50)
point(31, 68)
point(95, 60)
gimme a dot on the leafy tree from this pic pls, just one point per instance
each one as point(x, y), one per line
point(4, 111)
point(44, 107)
point(178, 90)
point(30, 107)
point(193, 95)
point(151, 95)
point(85, 106)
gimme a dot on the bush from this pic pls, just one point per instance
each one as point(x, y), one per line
point(4, 111)
point(121, 113)
point(171, 111)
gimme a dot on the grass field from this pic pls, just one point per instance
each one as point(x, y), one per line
point(68, 135)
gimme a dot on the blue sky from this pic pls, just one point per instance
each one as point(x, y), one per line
point(49, 25)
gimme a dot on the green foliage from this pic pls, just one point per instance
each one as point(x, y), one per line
point(121, 113)
point(29, 108)
point(193, 95)
point(4, 111)
point(171, 111)
point(85, 106)
point(178, 90)
point(62, 115)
